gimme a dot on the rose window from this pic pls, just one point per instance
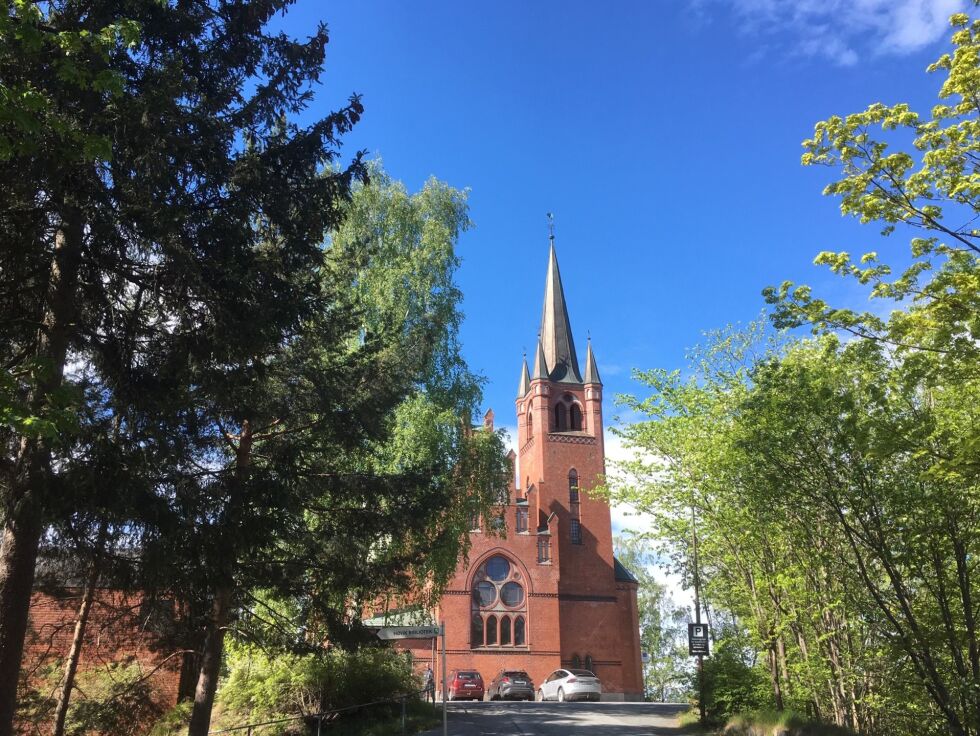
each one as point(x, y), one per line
point(499, 605)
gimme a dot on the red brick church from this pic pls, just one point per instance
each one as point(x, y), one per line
point(549, 593)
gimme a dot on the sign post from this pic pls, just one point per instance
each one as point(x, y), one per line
point(390, 633)
point(697, 626)
point(407, 632)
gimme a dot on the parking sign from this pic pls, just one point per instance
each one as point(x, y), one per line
point(697, 639)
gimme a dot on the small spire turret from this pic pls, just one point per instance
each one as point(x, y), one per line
point(540, 364)
point(525, 385)
point(591, 370)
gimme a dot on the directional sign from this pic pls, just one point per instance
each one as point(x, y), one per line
point(697, 639)
point(408, 632)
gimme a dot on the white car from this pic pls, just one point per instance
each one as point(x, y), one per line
point(562, 685)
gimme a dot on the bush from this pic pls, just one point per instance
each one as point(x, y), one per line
point(732, 683)
point(263, 685)
point(174, 721)
point(108, 699)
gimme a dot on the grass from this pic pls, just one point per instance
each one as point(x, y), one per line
point(760, 723)
point(376, 721)
point(689, 722)
point(419, 716)
point(777, 723)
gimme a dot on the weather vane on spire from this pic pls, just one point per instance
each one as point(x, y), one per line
point(551, 226)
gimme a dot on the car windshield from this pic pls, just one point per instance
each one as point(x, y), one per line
point(582, 673)
point(516, 674)
point(467, 675)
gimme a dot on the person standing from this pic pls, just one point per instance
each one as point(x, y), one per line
point(429, 683)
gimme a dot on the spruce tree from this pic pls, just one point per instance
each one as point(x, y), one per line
point(154, 190)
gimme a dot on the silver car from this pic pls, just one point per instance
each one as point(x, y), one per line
point(562, 685)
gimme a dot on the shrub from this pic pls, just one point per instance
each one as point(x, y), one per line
point(114, 698)
point(174, 721)
point(263, 685)
point(733, 684)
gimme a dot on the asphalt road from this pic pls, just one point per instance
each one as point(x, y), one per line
point(562, 719)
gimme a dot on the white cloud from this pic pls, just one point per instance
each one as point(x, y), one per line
point(842, 31)
point(623, 517)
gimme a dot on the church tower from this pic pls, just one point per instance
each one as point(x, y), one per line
point(548, 594)
point(560, 447)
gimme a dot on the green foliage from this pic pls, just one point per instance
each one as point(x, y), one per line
point(771, 723)
point(31, 116)
point(933, 189)
point(173, 722)
point(834, 524)
point(405, 286)
point(733, 683)
point(110, 698)
point(268, 685)
point(836, 486)
point(663, 624)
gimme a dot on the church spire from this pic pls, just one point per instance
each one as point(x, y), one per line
point(591, 370)
point(525, 384)
point(556, 333)
point(540, 364)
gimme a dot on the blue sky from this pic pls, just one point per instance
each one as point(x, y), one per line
point(664, 135)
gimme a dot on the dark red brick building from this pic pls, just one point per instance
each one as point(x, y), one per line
point(550, 593)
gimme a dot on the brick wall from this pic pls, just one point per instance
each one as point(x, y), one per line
point(121, 628)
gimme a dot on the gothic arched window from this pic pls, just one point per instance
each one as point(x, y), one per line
point(575, 418)
point(530, 425)
point(573, 486)
point(561, 418)
point(498, 605)
point(491, 636)
point(519, 633)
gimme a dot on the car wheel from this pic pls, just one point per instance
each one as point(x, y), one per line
point(561, 695)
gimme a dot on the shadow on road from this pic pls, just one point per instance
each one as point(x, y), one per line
point(559, 719)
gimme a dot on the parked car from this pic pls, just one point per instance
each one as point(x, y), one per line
point(562, 685)
point(511, 685)
point(465, 685)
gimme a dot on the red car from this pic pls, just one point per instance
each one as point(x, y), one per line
point(465, 685)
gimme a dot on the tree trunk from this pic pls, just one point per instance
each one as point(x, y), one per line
point(23, 515)
point(75, 652)
point(189, 668)
point(783, 665)
point(18, 555)
point(207, 681)
point(777, 690)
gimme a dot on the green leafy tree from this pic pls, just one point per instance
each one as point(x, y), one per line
point(334, 465)
point(663, 624)
point(830, 527)
point(931, 190)
point(132, 210)
point(834, 485)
